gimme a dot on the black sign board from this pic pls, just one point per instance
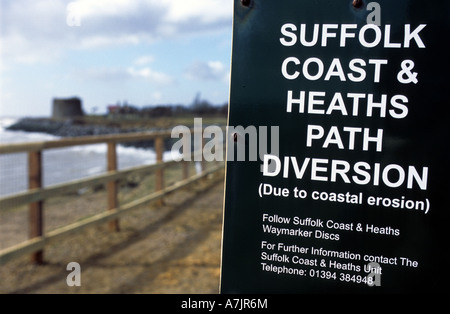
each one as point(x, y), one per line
point(345, 106)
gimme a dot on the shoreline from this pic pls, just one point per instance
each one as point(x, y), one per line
point(69, 127)
point(78, 128)
point(100, 125)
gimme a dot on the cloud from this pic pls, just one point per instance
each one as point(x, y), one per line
point(29, 33)
point(117, 74)
point(100, 41)
point(34, 30)
point(151, 75)
point(144, 60)
point(198, 15)
point(207, 71)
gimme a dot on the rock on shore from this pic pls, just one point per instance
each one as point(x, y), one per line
point(63, 128)
point(73, 128)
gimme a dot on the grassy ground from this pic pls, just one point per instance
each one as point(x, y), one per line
point(174, 248)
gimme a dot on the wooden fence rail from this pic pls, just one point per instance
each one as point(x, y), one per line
point(36, 195)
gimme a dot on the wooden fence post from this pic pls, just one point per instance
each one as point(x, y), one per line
point(159, 149)
point(35, 212)
point(112, 186)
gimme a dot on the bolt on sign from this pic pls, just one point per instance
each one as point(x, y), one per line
point(354, 196)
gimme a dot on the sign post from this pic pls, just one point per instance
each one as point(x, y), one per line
point(352, 195)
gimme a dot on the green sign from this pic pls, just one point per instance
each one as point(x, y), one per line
point(344, 104)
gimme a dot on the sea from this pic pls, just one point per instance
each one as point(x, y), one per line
point(61, 164)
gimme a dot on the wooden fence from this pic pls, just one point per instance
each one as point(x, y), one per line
point(37, 194)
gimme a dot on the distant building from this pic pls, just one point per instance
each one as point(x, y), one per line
point(125, 109)
point(67, 108)
point(113, 109)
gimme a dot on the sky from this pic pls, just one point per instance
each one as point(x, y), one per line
point(107, 52)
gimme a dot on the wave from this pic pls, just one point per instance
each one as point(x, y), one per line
point(7, 136)
point(63, 164)
point(6, 122)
